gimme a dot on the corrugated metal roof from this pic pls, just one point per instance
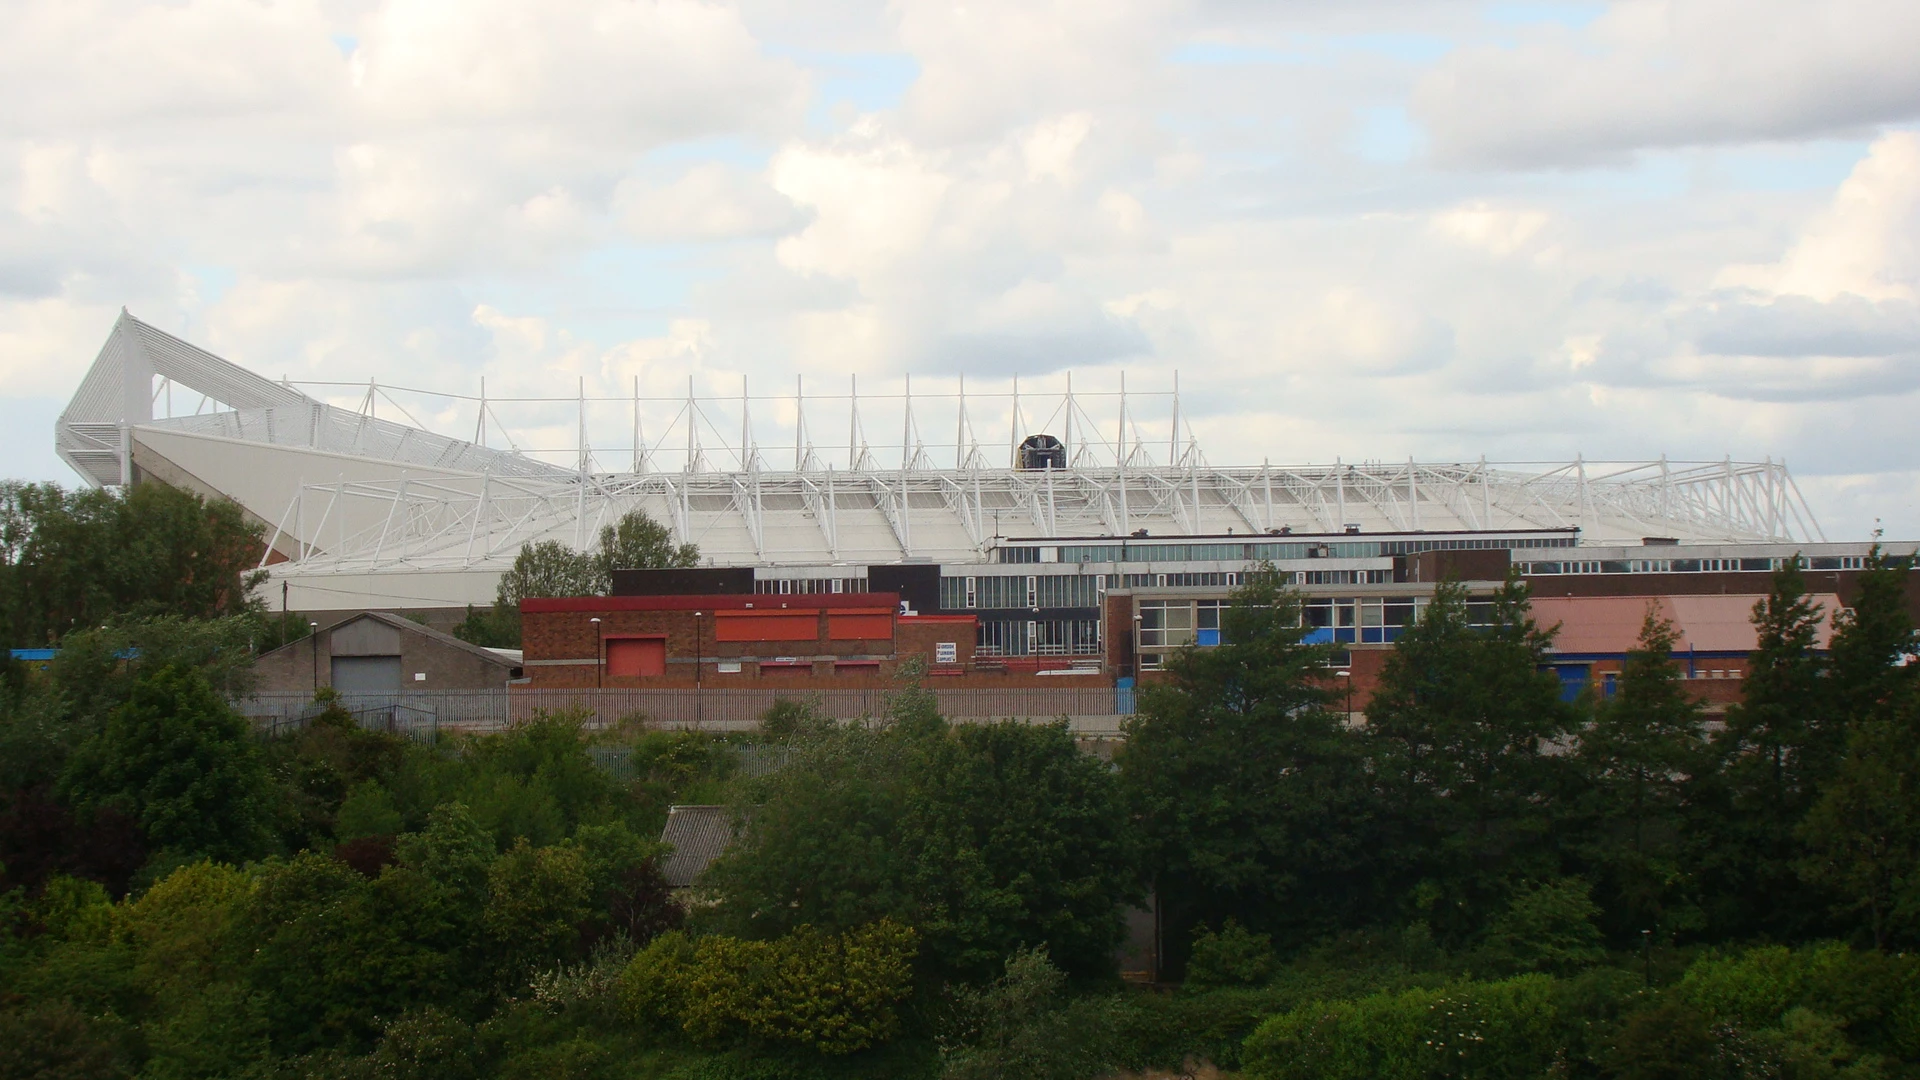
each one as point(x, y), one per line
point(1611, 624)
point(699, 835)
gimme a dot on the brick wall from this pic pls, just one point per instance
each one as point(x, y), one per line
point(563, 647)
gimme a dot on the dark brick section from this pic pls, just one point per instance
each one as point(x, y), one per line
point(696, 581)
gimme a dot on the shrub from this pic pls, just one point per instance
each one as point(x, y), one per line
point(1468, 1030)
point(1234, 956)
point(1024, 1025)
point(833, 994)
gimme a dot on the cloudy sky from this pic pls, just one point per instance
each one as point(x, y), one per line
point(1358, 228)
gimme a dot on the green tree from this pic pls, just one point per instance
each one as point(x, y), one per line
point(1863, 836)
point(637, 542)
point(180, 762)
point(1636, 763)
point(74, 560)
point(536, 902)
point(983, 837)
point(330, 953)
point(1252, 796)
point(551, 568)
point(1783, 741)
point(1871, 637)
point(1460, 727)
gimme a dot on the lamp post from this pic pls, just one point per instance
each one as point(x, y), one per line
point(313, 632)
point(1347, 676)
point(599, 653)
point(699, 659)
point(1137, 620)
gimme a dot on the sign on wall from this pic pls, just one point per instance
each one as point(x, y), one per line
point(946, 652)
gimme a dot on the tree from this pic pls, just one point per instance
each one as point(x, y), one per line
point(551, 568)
point(1636, 763)
point(536, 902)
point(639, 542)
point(1863, 835)
point(1460, 727)
point(1251, 794)
point(983, 837)
point(182, 764)
point(1871, 638)
point(74, 560)
point(332, 953)
point(1782, 743)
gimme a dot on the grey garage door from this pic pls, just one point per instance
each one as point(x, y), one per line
point(366, 674)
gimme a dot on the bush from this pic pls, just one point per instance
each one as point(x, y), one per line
point(1232, 957)
point(833, 994)
point(1550, 927)
point(1024, 1025)
point(1874, 998)
point(56, 1041)
point(1468, 1030)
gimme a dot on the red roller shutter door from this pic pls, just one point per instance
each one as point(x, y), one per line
point(865, 625)
point(636, 658)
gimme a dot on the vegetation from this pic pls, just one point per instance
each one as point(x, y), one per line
point(551, 568)
point(1482, 880)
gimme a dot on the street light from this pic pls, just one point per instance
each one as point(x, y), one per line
point(699, 658)
point(1348, 676)
point(599, 651)
point(313, 632)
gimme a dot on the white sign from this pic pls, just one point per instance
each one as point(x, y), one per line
point(419, 676)
point(946, 652)
point(729, 667)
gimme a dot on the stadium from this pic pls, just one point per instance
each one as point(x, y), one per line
point(367, 511)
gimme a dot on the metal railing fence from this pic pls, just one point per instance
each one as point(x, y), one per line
point(1092, 710)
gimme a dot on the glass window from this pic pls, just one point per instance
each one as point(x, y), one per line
point(1166, 623)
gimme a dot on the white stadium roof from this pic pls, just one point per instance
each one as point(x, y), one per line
point(367, 511)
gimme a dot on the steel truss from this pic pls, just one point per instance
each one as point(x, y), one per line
point(343, 491)
point(768, 518)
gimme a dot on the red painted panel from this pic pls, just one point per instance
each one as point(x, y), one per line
point(766, 626)
point(862, 627)
point(636, 657)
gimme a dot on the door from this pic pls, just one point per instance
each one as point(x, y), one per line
point(636, 657)
point(366, 674)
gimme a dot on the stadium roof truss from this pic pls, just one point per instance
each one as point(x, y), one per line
point(343, 493)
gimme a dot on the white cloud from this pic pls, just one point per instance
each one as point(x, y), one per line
point(428, 193)
point(1665, 73)
point(1866, 243)
point(712, 201)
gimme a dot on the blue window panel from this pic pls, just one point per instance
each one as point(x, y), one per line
point(1344, 633)
point(1372, 635)
point(1573, 679)
point(1206, 637)
point(1394, 632)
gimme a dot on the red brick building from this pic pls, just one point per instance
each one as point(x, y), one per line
point(735, 640)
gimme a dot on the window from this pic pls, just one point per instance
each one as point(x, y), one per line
point(1001, 637)
point(1062, 637)
point(1206, 620)
point(1166, 623)
point(1067, 590)
point(1001, 592)
point(1019, 554)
